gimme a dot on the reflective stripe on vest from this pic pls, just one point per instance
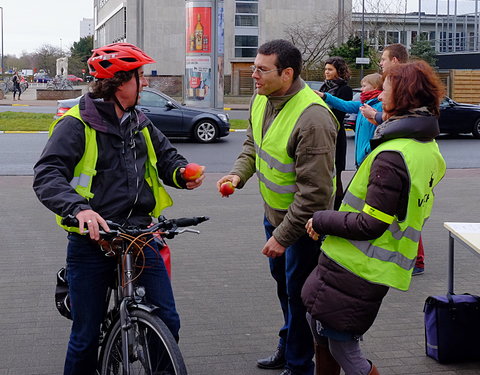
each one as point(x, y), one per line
point(275, 169)
point(389, 259)
point(85, 169)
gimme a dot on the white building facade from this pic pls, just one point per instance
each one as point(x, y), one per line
point(158, 26)
point(446, 33)
point(86, 27)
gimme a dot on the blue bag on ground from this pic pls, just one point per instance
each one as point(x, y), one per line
point(452, 327)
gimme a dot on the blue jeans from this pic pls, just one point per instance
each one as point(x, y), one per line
point(89, 274)
point(290, 272)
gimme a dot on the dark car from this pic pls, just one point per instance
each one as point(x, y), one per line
point(205, 125)
point(455, 118)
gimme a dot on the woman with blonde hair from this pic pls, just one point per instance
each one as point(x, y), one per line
point(364, 129)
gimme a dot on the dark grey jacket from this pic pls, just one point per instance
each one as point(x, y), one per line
point(332, 294)
point(119, 186)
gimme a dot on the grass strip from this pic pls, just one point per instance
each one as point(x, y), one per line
point(25, 121)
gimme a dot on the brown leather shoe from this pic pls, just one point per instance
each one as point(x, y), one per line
point(275, 361)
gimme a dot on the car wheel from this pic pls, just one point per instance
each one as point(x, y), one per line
point(476, 129)
point(205, 131)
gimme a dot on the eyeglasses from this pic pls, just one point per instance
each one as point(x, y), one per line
point(260, 71)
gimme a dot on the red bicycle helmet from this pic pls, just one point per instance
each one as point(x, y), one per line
point(107, 60)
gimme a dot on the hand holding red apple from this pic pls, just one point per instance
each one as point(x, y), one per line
point(193, 175)
point(227, 189)
point(227, 184)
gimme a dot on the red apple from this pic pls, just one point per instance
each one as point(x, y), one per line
point(226, 189)
point(192, 172)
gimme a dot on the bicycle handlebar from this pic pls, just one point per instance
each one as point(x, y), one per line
point(169, 227)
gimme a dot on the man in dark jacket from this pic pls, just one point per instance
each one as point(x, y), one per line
point(117, 189)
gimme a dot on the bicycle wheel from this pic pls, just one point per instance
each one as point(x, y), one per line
point(152, 349)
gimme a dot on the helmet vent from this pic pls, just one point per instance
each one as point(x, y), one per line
point(105, 64)
point(129, 59)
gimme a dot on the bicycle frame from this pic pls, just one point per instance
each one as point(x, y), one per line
point(124, 297)
point(129, 323)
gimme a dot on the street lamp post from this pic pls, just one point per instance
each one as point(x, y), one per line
point(363, 38)
point(3, 71)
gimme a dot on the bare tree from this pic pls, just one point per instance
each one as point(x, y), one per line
point(46, 57)
point(313, 38)
point(378, 16)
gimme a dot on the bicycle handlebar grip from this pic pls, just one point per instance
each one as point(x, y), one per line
point(190, 221)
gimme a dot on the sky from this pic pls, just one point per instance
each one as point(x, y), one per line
point(29, 24)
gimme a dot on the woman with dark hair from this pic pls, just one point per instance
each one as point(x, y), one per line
point(372, 241)
point(337, 75)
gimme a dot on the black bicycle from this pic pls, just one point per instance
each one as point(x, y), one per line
point(134, 340)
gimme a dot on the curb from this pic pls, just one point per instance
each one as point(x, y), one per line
point(23, 132)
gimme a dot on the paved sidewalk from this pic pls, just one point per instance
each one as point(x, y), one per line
point(225, 295)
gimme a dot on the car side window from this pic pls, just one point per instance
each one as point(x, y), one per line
point(150, 99)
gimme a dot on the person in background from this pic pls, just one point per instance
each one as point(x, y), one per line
point(337, 74)
point(372, 241)
point(364, 129)
point(16, 85)
point(392, 55)
point(105, 160)
point(290, 146)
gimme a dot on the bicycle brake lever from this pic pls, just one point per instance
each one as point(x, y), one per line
point(183, 230)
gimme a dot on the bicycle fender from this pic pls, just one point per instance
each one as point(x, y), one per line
point(147, 307)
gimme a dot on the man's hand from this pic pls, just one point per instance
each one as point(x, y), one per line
point(309, 227)
point(195, 183)
point(273, 249)
point(233, 178)
point(369, 113)
point(94, 221)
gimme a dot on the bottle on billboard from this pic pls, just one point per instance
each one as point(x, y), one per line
point(192, 42)
point(205, 43)
point(199, 34)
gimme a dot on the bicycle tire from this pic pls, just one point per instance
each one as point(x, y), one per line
point(166, 356)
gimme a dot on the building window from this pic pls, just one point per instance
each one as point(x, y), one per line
point(246, 45)
point(246, 8)
point(393, 37)
point(246, 20)
point(246, 28)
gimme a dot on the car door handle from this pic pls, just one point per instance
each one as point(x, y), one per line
point(144, 109)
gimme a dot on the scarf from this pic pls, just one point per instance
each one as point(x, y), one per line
point(414, 112)
point(367, 95)
point(331, 86)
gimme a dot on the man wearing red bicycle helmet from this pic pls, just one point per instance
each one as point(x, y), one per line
point(105, 160)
